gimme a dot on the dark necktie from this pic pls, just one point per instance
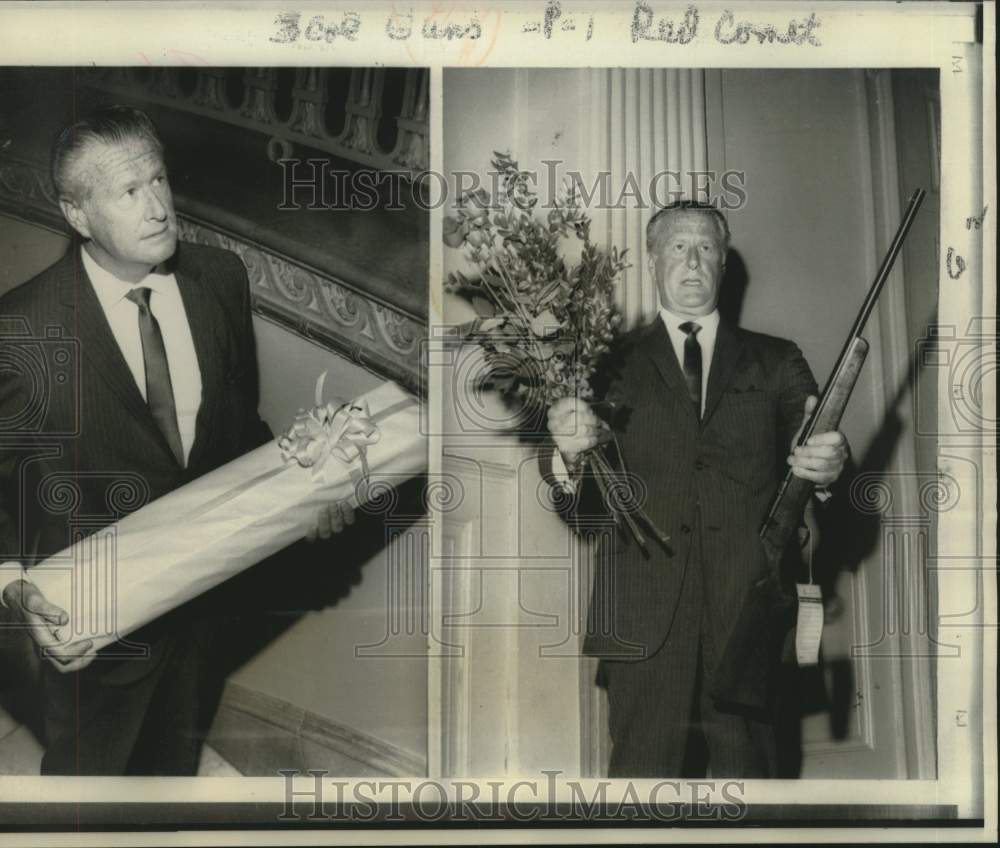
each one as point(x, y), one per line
point(692, 364)
point(159, 392)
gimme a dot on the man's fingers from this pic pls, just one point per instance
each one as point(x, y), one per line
point(575, 428)
point(68, 653)
point(34, 602)
point(64, 657)
point(331, 519)
point(569, 416)
point(50, 612)
point(72, 657)
point(563, 410)
point(814, 463)
point(818, 469)
point(572, 425)
point(821, 459)
point(833, 437)
point(37, 605)
point(828, 461)
point(810, 405)
point(828, 451)
point(581, 435)
point(45, 635)
point(323, 523)
point(347, 512)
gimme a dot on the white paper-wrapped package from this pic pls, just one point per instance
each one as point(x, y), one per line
point(183, 544)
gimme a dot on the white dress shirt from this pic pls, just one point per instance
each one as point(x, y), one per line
point(123, 316)
point(706, 338)
point(168, 308)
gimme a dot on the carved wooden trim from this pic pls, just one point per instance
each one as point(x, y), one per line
point(323, 309)
point(26, 192)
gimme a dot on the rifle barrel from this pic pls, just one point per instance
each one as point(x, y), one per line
point(887, 262)
point(866, 309)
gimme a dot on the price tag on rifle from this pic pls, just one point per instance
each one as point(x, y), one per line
point(809, 627)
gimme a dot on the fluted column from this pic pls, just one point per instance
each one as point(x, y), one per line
point(647, 121)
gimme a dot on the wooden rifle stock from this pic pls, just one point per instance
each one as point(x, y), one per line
point(785, 513)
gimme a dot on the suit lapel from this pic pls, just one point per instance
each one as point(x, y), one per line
point(86, 319)
point(728, 349)
point(655, 341)
point(201, 310)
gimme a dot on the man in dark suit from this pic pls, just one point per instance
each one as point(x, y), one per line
point(163, 390)
point(704, 415)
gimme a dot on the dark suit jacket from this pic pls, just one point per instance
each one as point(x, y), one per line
point(720, 472)
point(80, 448)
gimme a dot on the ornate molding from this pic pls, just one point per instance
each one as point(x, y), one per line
point(251, 101)
point(26, 192)
point(323, 309)
point(319, 307)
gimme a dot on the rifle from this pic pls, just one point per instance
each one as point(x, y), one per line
point(767, 613)
point(785, 513)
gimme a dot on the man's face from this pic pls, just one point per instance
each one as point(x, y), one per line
point(687, 262)
point(127, 210)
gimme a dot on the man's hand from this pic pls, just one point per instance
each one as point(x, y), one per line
point(821, 459)
point(574, 427)
point(43, 622)
point(331, 519)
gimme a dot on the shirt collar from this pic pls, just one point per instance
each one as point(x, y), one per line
point(708, 323)
point(110, 290)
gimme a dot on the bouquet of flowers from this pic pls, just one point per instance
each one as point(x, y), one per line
point(543, 323)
